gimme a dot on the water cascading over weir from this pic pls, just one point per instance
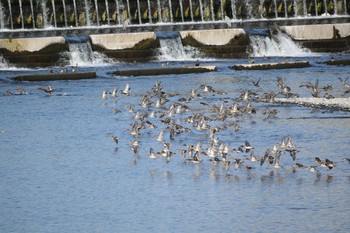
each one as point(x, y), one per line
point(107, 23)
point(40, 14)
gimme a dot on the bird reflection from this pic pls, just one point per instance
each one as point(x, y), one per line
point(329, 178)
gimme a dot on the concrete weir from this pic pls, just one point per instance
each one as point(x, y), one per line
point(126, 46)
point(51, 77)
point(40, 51)
point(219, 43)
point(272, 65)
point(342, 104)
point(142, 46)
point(165, 70)
point(322, 37)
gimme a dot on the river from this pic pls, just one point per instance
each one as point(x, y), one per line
point(62, 172)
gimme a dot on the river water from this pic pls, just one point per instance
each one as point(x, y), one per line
point(62, 172)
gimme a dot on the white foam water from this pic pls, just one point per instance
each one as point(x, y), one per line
point(343, 103)
point(81, 54)
point(171, 49)
point(3, 63)
point(279, 45)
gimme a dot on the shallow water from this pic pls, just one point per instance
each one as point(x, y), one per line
point(61, 171)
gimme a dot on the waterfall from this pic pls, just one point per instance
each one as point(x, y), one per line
point(64, 13)
point(16, 14)
point(10, 13)
point(261, 10)
point(118, 11)
point(107, 12)
point(279, 45)
point(87, 13)
point(75, 13)
point(54, 12)
point(316, 10)
point(249, 9)
point(325, 7)
point(335, 7)
point(295, 7)
point(159, 12)
point(222, 9)
point(304, 8)
point(3, 63)
point(181, 11)
point(97, 16)
point(233, 6)
point(171, 48)
point(212, 10)
point(201, 9)
point(128, 6)
point(191, 10)
point(171, 12)
point(345, 8)
point(139, 11)
point(2, 17)
point(276, 12)
point(81, 54)
point(285, 8)
point(44, 10)
point(149, 11)
point(32, 12)
point(21, 13)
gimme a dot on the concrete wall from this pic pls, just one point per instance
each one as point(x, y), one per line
point(29, 44)
point(122, 40)
point(213, 37)
point(33, 52)
point(322, 37)
point(218, 43)
point(317, 32)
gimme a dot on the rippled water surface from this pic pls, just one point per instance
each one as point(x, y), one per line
point(62, 172)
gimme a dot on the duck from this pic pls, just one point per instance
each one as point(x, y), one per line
point(47, 89)
point(256, 83)
point(293, 153)
point(308, 168)
point(328, 164)
point(114, 92)
point(253, 157)
point(160, 136)
point(104, 94)
point(227, 165)
point(270, 113)
point(283, 143)
point(196, 158)
point(126, 90)
point(265, 157)
point(277, 159)
point(152, 155)
point(21, 91)
point(115, 139)
point(289, 142)
point(247, 147)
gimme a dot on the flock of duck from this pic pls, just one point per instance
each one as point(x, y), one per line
point(168, 116)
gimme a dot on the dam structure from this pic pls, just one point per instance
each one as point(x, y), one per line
point(36, 33)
